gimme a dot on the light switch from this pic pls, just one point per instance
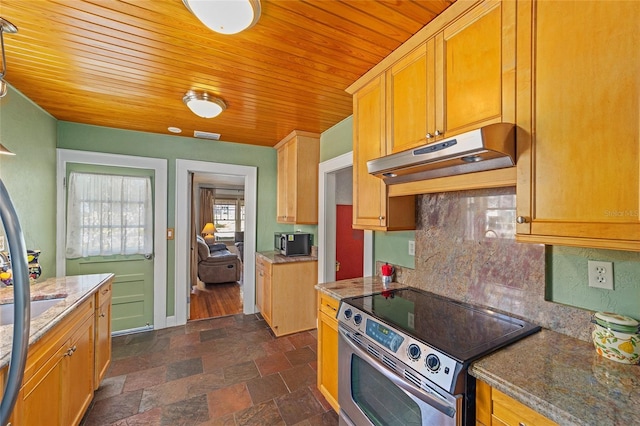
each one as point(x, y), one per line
point(169, 233)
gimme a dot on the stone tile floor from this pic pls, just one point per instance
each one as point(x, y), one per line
point(224, 371)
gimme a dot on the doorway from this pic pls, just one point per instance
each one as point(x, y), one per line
point(217, 214)
point(183, 231)
point(334, 174)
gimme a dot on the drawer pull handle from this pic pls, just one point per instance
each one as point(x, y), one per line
point(102, 315)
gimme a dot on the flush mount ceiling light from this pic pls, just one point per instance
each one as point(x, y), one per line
point(203, 105)
point(9, 28)
point(225, 16)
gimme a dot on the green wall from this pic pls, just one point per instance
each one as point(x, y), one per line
point(114, 141)
point(567, 279)
point(30, 133)
point(337, 140)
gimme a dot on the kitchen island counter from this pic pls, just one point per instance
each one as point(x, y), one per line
point(564, 379)
point(71, 292)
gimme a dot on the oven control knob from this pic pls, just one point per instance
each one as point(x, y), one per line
point(347, 313)
point(432, 362)
point(414, 352)
point(357, 318)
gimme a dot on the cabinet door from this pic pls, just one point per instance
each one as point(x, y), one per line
point(267, 295)
point(580, 181)
point(78, 373)
point(328, 350)
point(369, 192)
point(407, 100)
point(103, 334)
point(282, 180)
point(39, 399)
point(476, 85)
point(263, 288)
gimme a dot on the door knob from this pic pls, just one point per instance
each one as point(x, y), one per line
point(522, 219)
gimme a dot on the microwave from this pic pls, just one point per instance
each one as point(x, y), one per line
point(293, 243)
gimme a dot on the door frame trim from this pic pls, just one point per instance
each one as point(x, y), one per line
point(182, 224)
point(160, 168)
point(327, 220)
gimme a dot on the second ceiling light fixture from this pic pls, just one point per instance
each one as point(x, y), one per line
point(225, 17)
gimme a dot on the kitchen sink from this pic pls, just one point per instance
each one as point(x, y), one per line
point(38, 307)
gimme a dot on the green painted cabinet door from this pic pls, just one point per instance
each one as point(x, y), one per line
point(132, 303)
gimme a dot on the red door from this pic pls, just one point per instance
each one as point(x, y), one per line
point(349, 245)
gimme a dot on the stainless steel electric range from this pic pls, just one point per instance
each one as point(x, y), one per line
point(404, 356)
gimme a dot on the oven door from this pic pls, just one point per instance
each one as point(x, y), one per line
point(369, 393)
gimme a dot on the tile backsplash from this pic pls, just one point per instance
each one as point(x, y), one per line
point(466, 250)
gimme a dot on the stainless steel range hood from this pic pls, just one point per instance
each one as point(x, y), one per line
point(490, 147)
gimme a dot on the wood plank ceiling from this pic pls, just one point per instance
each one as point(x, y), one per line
point(127, 64)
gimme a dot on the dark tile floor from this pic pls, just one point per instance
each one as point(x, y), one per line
point(223, 371)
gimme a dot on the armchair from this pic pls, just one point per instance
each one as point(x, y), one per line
point(216, 264)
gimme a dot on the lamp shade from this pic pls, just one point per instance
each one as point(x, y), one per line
point(225, 16)
point(209, 229)
point(203, 105)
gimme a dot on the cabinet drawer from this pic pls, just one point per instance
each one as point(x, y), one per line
point(510, 412)
point(329, 305)
point(104, 294)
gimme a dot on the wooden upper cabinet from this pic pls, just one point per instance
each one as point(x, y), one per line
point(408, 83)
point(579, 125)
point(298, 158)
point(459, 79)
point(478, 69)
point(372, 209)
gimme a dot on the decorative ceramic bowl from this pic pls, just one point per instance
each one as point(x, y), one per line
point(616, 346)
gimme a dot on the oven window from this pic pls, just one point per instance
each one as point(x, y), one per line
point(381, 401)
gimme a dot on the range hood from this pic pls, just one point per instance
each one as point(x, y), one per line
point(487, 148)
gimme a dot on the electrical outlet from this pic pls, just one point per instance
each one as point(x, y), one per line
point(412, 248)
point(1, 242)
point(600, 274)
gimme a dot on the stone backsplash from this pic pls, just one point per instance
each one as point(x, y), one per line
point(466, 250)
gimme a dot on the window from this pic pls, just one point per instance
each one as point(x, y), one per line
point(228, 216)
point(109, 215)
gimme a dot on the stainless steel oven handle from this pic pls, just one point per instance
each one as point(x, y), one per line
point(418, 393)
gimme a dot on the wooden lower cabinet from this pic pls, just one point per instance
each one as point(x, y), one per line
point(58, 381)
point(65, 366)
point(103, 333)
point(328, 349)
point(494, 408)
point(287, 299)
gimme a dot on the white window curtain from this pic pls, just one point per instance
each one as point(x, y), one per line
point(109, 215)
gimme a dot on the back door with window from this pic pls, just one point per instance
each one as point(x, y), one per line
point(132, 305)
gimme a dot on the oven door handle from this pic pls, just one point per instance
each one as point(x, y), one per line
point(421, 394)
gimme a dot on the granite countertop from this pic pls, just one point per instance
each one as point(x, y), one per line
point(355, 287)
point(561, 377)
point(565, 380)
point(71, 291)
point(276, 257)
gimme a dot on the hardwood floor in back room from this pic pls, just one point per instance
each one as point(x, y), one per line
point(222, 371)
point(215, 300)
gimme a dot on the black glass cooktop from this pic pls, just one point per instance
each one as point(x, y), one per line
point(460, 330)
